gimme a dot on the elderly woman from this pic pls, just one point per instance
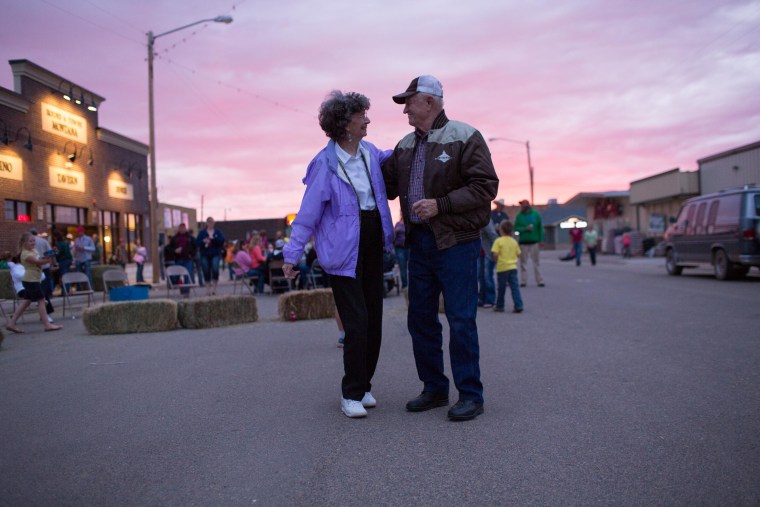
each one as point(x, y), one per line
point(345, 209)
point(31, 280)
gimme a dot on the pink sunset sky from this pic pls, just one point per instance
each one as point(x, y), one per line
point(606, 91)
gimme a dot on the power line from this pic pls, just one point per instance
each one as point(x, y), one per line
point(109, 30)
point(122, 20)
point(235, 87)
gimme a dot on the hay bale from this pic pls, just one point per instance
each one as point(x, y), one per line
point(222, 311)
point(150, 316)
point(306, 305)
point(6, 285)
point(97, 275)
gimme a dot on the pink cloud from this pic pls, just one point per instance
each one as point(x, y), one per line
point(605, 92)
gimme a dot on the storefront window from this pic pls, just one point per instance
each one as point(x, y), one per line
point(18, 211)
point(68, 215)
point(110, 221)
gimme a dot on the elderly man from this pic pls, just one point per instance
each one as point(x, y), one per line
point(445, 179)
point(530, 227)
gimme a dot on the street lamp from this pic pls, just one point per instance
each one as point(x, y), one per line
point(530, 166)
point(153, 193)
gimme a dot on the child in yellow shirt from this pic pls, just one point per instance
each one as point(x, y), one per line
point(505, 251)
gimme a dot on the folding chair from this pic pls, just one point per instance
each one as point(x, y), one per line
point(114, 278)
point(249, 282)
point(182, 280)
point(80, 278)
point(316, 275)
point(277, 279)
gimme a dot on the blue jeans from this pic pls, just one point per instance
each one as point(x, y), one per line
point(188, 265)
point(578, 249)
point(84, 267)
point(402, 256)
point(509, 278)
point(452, 271)
point(487, 287)
point(210, 265)
point(257, 272)
point(140, 266)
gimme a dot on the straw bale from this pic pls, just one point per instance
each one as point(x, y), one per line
point(6, 285)
point(306, 304)
point(149, 316)
point(221, 311)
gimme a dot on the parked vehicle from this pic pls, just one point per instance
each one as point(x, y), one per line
point(721, 229)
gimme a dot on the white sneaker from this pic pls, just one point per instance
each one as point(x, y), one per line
point(369, 401)
point(50, 319)
point(352, 408)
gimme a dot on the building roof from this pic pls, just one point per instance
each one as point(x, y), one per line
point(583, 198)
point(554, 215)
point(730, 152)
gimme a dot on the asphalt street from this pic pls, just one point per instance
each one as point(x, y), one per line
point(618, 385)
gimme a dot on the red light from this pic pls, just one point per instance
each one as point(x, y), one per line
point(748, 234)
point(23, 218)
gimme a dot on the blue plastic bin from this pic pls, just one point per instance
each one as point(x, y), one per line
point(129, 293)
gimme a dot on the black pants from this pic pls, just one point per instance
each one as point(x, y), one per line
point(360, 305)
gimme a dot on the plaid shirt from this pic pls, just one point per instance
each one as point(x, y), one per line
point(416, 187)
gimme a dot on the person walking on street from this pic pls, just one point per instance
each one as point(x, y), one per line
point(42, 247)
point(346, 210)
point(576, 236)
point(31, 280)
point(530, 227)
point(591, 238)
point(445, 179)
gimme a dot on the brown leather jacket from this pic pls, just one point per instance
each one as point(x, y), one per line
point(459, 175)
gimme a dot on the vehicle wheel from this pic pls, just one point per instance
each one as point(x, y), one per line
point(722, 266)
point(672, 268)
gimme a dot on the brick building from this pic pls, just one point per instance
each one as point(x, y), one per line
point(59, 169)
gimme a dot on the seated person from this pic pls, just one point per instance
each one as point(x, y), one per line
point(244, 265)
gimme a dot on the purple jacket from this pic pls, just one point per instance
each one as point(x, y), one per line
point(330, 212)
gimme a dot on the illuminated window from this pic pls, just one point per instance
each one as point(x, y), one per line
point(18, 211)
point(68, 215)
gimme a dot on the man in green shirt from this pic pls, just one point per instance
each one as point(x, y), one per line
point(529, 225)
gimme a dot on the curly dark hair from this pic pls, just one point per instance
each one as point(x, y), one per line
point(336, 111)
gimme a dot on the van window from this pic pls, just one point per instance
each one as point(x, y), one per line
point(757, 205)
point(690, 219)
point(699, 223)
point(727, 219)
point(712, 215)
